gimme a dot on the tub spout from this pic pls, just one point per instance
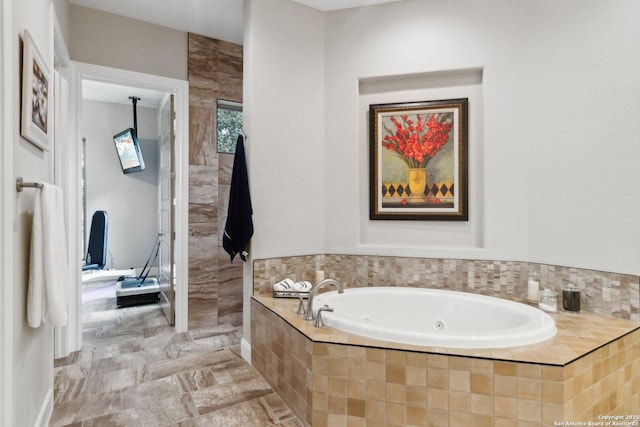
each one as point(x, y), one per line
point(312, 293)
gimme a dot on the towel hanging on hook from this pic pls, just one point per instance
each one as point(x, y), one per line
point(47, 288)
point(239, 226)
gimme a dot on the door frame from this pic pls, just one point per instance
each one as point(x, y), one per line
point(169, 99)
point(180, 90)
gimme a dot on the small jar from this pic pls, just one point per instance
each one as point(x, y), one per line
point(548, 300)
point(571, 298)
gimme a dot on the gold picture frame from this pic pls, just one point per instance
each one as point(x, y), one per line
point(419, 160)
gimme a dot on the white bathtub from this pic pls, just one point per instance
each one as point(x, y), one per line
point(435, 317)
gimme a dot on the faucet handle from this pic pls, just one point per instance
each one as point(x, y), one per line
point(301, 309)
point(319, 322)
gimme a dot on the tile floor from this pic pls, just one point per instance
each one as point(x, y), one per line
point(135, 370)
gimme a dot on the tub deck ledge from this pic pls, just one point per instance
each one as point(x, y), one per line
point(578, 334)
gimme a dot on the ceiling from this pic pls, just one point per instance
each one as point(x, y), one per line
point(219, 19)
point(117, 94)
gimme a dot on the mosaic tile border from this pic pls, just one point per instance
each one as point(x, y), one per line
point(609, 294)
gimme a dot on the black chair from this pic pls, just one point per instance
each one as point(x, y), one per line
point(96, 257)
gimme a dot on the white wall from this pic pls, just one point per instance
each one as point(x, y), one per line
point(131, 200)
point(283, 87)
point(284, 98)
point(7, 219)
point(552, 163)
point(32, 362)
point(581, 133)
point(413, 51)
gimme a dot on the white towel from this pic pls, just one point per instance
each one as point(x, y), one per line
point(283, 285)
point(303, 286)
point(47, 296)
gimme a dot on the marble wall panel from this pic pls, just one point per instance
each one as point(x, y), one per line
point(203, 93)
point(230, 87)
point(202, 134)
point(203, 272)
point(229, 288)
point(225, 168)
point(203, 194)
point(202, 56)
point(223, 208)
point(215, 71)
point(229, 59)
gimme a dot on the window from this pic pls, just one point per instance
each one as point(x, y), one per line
point(229, 125)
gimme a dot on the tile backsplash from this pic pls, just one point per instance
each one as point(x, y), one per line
point(611, 294)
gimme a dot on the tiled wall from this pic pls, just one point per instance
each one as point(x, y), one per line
point(611, 294)
point(283, 355)
point(333, 384)
point(215, 284)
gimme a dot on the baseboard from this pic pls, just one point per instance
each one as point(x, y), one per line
point(245, 350)
point(44, 416)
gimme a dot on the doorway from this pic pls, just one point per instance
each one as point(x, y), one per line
point(164, 87)
point(121, 178)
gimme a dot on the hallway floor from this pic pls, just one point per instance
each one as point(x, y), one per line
point(135, 370)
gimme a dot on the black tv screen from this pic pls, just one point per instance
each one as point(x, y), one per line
point(128, 150)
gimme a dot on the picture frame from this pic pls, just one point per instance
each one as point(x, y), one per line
point(36, 121)
point(418, 157)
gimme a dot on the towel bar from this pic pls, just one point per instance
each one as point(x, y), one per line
point(21, 185)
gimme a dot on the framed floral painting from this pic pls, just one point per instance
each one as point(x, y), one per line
point(419, 161)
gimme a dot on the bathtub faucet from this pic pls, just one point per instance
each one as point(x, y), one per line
point(319, 322)
point(314, 291)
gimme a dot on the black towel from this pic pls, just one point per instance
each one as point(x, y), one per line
point(239, 227)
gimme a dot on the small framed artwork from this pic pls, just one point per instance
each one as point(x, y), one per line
point(419, 161)
point(36, 95)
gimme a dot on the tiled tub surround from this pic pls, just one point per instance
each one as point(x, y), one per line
point(329, 378)
point(610, 294)
point(591, 368)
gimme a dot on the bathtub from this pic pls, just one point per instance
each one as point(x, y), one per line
point(435, 317)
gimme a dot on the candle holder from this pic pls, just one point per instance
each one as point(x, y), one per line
point(533, 287)
point(548, 300)
point(571, 298)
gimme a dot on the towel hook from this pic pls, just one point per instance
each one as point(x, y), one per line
point(21, 185)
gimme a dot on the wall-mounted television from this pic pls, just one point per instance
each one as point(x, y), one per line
point(129, 153)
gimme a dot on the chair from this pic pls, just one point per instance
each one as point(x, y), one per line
point(96, 257)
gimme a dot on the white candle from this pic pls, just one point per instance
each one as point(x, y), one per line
point(319, 275)
point(532, 289)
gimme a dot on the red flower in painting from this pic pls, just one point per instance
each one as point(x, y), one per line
point(417, 138)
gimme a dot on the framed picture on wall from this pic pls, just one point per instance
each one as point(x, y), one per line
point(36, 124)
point(418, 160)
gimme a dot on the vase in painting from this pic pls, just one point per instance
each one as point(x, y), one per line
point(417, 183)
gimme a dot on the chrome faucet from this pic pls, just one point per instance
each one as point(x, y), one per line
point(300, 304)
point(312, 293)
point(319, 322)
